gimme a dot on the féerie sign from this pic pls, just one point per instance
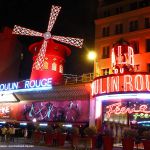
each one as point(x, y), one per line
point(27, 84)
point(117, 109)
point(121, 83)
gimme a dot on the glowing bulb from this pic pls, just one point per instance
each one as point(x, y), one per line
point(92, 55)
point(34, 120)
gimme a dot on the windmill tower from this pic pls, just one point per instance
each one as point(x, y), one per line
point(49, 56)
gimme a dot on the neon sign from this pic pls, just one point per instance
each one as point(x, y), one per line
point(4, 109)
point(28, 85)
point(121, 83)
point(141, 115)
point(122, 57)
point(118, 109)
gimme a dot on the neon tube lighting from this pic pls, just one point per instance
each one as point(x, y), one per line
point(67, 125)
point(23, 123)
point(125, 96)
point(26, 90)
point(140, 122)
point(2, 122)
point(43, 124)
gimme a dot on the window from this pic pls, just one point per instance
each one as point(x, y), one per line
point(147, 45)
point(133, 6)
point(119, 29)
point(54, 66)
point(119, 10)
point(105, 31)
point(135, 46)
point(45, 67)
point(61, 69)
point(147, 22)
point(105, 71)
point(133, 25)
point(105, 53)
point(136, 68)
point(106, 13)
point(148, 68)
point(143, 3)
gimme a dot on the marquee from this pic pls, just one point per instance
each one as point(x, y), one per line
point(27, 85)
point(121, 83)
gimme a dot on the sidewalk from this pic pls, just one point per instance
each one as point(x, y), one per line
point(21, 144)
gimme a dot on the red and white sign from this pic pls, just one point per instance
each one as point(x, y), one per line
point(121, 83)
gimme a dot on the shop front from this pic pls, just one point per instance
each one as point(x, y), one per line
point(38, 101)
point(122, 100)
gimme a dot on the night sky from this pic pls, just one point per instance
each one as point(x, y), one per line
point(76, 19)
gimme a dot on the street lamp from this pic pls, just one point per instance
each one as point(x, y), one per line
point(91, 55)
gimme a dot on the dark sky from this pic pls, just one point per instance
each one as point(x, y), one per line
point(76, 19)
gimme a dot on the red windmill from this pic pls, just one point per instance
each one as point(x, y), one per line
point(49, 57)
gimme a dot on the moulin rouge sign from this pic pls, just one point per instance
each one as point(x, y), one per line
point(25, 85)
point(121, 83)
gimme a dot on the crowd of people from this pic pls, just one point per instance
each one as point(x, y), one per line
point(9, 132)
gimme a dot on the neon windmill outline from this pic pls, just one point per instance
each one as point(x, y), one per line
point(39, 62)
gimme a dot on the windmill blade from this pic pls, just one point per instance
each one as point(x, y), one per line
point(53, 16)
point(24, 31)
point(39, 62)
point(69, 40)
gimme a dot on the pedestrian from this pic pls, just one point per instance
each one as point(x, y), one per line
point(12, 133)
point(25, 134)
point(4, 130)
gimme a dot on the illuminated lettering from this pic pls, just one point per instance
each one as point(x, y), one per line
point(130, 56)
point(108, 85)
point(119, 55)
point(38, 83)
point(101, 87)
point(121, 70)
point(49, 82)
point(140, 115)
point(118, 109)
point(115, 83)
point(43, 82)
point(4, 109)
point(113, 58)
point(15, 85)
point(8, 86)
point(32, 84)
point(128, 83)
point(139, 82)
point(147, 82)
point(122, 57)
point(121, 83)
point(25, 85)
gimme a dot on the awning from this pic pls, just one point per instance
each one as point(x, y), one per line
point(67, 92)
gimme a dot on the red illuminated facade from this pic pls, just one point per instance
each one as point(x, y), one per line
point(122, 68)
point(54, 58)
point(44, 97)
point(9, 46)
point(53, 61)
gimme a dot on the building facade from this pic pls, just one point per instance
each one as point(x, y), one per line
point(10, 46)
point(128, 20)
point(120, 95)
